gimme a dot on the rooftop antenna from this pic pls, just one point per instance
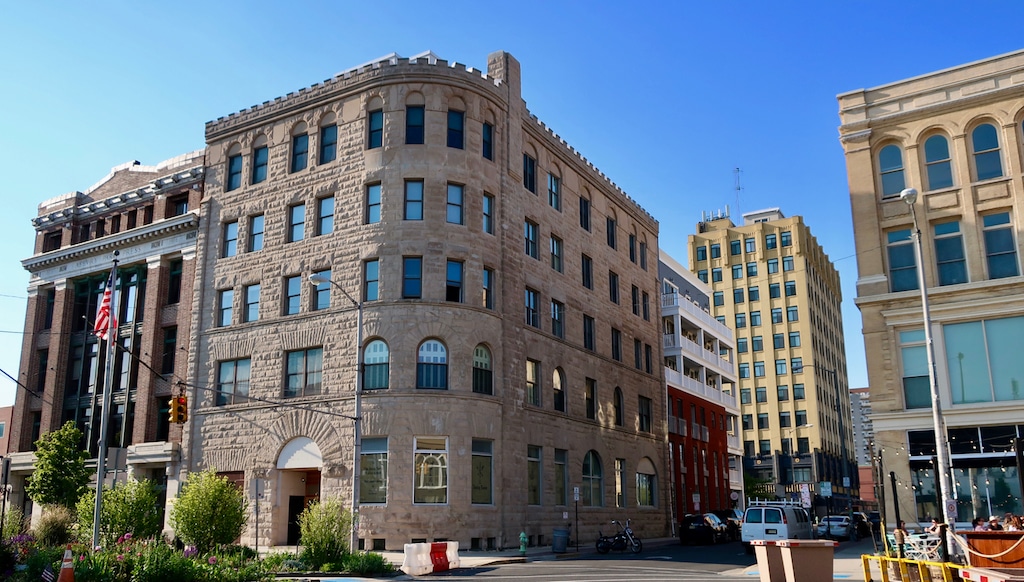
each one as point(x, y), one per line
point(737, 171)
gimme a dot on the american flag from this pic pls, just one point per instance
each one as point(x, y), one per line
point(105, 319)
point(48, 574)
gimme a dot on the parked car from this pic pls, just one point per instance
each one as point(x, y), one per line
point(875, 519)
point(702, 528)
point(863, 524)
point(774, 520)
point(834, 527)
point(732, 518)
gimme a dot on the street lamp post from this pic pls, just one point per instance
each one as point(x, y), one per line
point(319, 279)
point(948, 505)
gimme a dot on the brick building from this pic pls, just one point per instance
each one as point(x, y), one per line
point(509, 350)
point(955, 136)
point(148, 214)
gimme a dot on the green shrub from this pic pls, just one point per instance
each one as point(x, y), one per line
point(128, 508)
point(209, 511)
point(54, 526)
point(14, 523)
point(281, 562)
point(367, 564)
point(324, 528)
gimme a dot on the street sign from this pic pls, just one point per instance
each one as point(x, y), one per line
point(846, 481)
point(950, 509)
point(825, 489)
point(575, 493)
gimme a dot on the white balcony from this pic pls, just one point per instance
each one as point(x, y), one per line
point(697, 315)
point(685, 383)
point(732, 441)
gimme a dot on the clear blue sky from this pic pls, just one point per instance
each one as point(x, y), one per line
point(666, 98)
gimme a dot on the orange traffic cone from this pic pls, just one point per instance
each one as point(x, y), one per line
point(67, 567)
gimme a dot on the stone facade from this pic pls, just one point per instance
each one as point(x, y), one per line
point(790, 354)
point(409, 231)
point(955, 136)
point(147, 214)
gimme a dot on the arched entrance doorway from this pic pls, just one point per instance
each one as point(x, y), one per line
point(298, 467)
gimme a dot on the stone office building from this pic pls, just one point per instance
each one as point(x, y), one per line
point(955, 136)
point(509, 345)
point(148, 214)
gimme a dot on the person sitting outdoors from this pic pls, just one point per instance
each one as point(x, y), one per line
point(935, 528)
point(993, 524)
point(979, 524)
point(1012, 523)
point(899, 535)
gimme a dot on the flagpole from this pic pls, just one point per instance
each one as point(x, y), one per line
point(101, 459)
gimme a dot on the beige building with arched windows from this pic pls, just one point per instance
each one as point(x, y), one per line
point(955, 136)
point(509, 292)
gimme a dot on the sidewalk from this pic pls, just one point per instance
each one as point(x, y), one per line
point(846, 565)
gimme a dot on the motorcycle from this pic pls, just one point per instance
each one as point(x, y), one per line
point(624, 538)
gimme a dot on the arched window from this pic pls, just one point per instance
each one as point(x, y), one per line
point(557, 384)
point(937, 163)
point(985, 142)
point(328, 138)
point(234, 169)
point(593, 480)
point(260, 159)
point(300, 148)
point(617, 405)
point(890, 168)
point(375, 365)
point(646, 484)
point(483, 377)
point(432, 366)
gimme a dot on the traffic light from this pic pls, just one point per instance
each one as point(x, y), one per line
point(179, 409)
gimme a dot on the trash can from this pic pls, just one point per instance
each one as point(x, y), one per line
point(560, 540)
point(807, 560)
point(769, 561)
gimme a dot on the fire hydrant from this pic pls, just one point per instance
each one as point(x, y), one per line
point(522, 543)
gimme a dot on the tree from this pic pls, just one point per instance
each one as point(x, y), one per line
point(210, 510)
point(60, 476)
point(129, 508)
point(325, 528)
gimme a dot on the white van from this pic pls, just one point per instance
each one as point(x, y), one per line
point(774, 520)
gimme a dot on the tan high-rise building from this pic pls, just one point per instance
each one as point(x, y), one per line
point(955, 136)
point(774, 285)
point(510, 346)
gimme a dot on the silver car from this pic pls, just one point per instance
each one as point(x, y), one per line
point(835, 527)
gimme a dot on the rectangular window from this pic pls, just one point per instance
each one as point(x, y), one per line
point(224, 307)
point(328, 143)
point(371, 280)
point(613, 287)
point(556, 253)
point(373, 470)
point(797, 365)
point(296, 222)
point(589, 339)
point(588, 272)
point(233, 182)
point(757, 343)
point(737, 295)
point(794, 339)
point(753, 294)
point(533, 387)
point(412, 277)
point(585, 214)
point(610, 231)
point(643, 256)
point(590, 398)
point(801, 417)
point(174, 270)
point(762, 420)
point(646, 305)
point(784, 420)
point(252, 303)
point(616, 345)
point(375, 137)
point(414, 124)
point(798, 391)
point(949, 253)
point(620, 482)
point(755, 318)
point(776, 315)
point(414, 199)
point(632, 248)
point(482, 482)
point(166, 362)
point(638, 354)
point(230, 243)
point(792, 313)
point(529, 173)
point(532, 311)
point(759, 369)
point(293, 294)
point(300, 152)
point(741, 320)
point(487, 137)
point(325, 215)
point(304, 372)
point(233, 382)
point(533, 476)
point(1000, 250)
point(737, 272)
point(456, 121)
point(702, 274)
point(773, 266)
point(645, 415)
point(765, 446)
point(488, 214)
point(636, 299)
point(751, 269)
point(790, 288)
point(779, 341)
point(741, 345)
point(430, 470)
point(488, 288)
point(260, 159)
point(454, 214)
point(744, 395)
point(716, 250)
point(718, 298)
point(780, 366)
point(787, 238)
point(557, 319)
point(735, 247)
point(702, 253)
point(554, 192)
point(747, 422)
point(453, 282)
point(787, 264)
point(561, 477)
point(769, 241)
point(774, 291)
point(750, 245)
point(983, 359)
point(256, 233)
point(373, 204)
point(716, 274)
point(782, 392)
point(530, 238)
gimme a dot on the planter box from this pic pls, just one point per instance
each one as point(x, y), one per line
point(992, 543)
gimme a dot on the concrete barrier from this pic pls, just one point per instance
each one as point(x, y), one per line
point(424, 558)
